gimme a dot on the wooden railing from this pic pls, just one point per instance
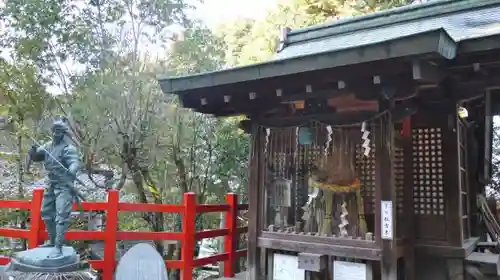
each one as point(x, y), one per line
point(36, 234)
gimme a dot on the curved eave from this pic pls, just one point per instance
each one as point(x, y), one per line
point(434, 42)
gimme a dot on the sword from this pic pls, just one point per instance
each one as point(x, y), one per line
point(77, 195)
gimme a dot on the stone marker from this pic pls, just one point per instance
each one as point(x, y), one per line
point(141, 262)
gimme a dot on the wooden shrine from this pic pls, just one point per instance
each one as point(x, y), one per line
point(371, 139)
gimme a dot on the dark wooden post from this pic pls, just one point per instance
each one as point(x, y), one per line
point(385, 189)
point(253, 256)
point(451, 181)
point(408, 211)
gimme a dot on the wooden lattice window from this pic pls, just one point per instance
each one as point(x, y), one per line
point(399, 178)
point(428, 171)
point(365, 167)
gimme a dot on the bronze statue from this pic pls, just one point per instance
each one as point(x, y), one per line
point(53, 260)
point(61, 160)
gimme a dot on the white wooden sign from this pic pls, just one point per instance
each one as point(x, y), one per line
point(351, 271)
point(387, 224)
point(285, 267)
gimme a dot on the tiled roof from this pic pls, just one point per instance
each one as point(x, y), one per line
point(462, 24)
point(439, 28)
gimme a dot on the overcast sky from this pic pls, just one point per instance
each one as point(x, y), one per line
point(214, 12)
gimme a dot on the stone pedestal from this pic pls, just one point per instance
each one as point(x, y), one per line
point(36, 264)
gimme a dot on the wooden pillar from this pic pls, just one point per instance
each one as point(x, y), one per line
point(408, 211)
point(385, 191)
point(253, 256)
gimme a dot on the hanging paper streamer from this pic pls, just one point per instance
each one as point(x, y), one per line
point(366, 140)
point(307, 207)
point(268, 132)
point(343, 220)
point(328, 138)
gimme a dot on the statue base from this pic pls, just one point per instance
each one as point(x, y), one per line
point(76, 275)
point(36, 264)
point(37, 260)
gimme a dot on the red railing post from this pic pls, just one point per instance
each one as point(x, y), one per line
point(36, 219)
point(189, 235)
point(231, 240)
point(110, 241)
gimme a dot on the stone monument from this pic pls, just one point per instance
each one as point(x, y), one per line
point(54, 260)
point(141, 262)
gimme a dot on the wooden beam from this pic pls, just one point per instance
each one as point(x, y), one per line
point(426, 72)
point(329, 82)
point(385, 190)
point(345, 118)
point(322, 249)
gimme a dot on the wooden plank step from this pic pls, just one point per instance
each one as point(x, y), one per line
point(488, 263)
point(239, 276)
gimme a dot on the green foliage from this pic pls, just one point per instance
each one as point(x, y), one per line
point(22, 92)
point(197, 51)
point(251, 41)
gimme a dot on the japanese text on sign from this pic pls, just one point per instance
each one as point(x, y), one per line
point(386, 214)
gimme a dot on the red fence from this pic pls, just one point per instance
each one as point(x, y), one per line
point(189, 210)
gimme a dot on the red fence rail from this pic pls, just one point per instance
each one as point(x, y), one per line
point(36, 234)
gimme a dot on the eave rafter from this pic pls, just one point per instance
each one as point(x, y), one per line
point(365, 82)
point(427, 72)
point(471, 76)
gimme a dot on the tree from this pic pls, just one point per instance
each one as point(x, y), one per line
point(251, 41)
point(79, 49)
point(23, 100)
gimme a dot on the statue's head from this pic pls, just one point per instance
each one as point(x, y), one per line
point(59, 130)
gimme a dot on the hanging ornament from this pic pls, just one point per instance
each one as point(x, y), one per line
point(366, 140)
point(305, 136)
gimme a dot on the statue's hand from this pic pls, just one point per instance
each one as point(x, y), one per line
point(33, 149)
point(73, 169)
point(31, 157)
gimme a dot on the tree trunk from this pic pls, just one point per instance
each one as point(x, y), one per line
point(20, 180)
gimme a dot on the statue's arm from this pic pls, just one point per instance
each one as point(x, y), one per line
point(72, 159)
point(37, 153)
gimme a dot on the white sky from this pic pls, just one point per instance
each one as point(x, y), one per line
point(214, 12)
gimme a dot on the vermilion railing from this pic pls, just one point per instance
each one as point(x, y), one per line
point(36, 234)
